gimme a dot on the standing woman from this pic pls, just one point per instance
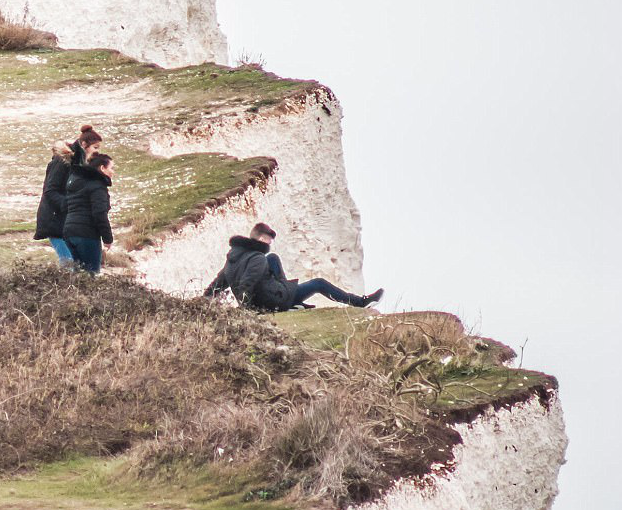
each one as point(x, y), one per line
point(88, 203)
point(53, 206)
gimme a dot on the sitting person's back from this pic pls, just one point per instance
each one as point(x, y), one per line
point(248, 274)
point(259, 281)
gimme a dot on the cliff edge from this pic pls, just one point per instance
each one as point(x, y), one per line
point(151, 387)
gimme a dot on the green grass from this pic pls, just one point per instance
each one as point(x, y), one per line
point(323, 328)
point(86, 67)
point(98, 483)
point(22, 247)
point(145, 187)
point(162, 191)
point(65, 68)
point(485, 385)
point(483, 380)
point(13, 227)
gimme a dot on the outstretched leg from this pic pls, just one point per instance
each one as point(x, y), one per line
point(321, 286)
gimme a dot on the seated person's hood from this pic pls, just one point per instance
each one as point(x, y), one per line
point(241, 245)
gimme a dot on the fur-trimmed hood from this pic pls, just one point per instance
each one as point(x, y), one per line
point(70, 153)
point(249, 244)
point(63, 150)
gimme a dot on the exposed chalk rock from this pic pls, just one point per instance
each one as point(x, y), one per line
point(168, 33)
point(307, 201)
point(509, 460)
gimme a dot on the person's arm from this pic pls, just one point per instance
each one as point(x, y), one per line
point(99, 210)
point(55, 183)
point(253, 273)
point(218, 285)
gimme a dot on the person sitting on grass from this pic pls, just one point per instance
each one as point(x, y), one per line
point(257, 279)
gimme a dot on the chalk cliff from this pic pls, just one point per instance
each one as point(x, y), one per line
point(168, 33)
point(205, 152)
point(509, 459)
point(306, 200)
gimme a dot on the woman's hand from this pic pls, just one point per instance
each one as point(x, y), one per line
point(107, 246)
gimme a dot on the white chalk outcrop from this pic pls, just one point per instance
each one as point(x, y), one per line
point(509, 460)
point(164, 32)
point(306, 201)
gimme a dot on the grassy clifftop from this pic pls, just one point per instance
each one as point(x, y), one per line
point(46, 95)
point(126, 397)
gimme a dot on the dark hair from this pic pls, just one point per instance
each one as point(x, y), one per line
point(262, 228)
point(99, 159)
point(89, 136)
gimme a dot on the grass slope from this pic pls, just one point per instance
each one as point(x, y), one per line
point(193, 404)
point(89, 483)
point(150, 194)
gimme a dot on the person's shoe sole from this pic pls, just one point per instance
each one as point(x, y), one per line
point(376, 300)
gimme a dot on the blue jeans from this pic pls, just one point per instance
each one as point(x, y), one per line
point(62, 250)
point(321, 286)
point(274, 263)
point(316, 286)
point(87, 252)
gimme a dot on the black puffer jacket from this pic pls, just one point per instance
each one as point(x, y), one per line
point(88, 203)
point(53, 206)
point(248, 274)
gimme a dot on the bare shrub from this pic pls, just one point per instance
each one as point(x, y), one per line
point(16, 36)
point(226, 432)
point(251, 60)
point(95, 365)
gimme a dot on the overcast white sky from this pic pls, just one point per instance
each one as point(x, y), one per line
point(482, 143)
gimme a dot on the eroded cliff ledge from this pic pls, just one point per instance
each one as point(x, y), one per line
point(203, 153)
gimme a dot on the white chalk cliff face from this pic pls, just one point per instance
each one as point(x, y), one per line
point(171, 33)
point(307, 201)
point(509, 460)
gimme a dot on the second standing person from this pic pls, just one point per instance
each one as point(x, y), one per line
point(88, 202)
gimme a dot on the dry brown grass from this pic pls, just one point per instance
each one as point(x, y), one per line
point(102, 365)
point(141, 230)
point(16, 36)
point(93, 365)
point(118, 259)
point(330, 443)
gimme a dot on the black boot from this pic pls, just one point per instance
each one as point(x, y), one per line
point(372, 299)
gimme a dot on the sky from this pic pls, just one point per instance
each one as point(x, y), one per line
point(482, 146)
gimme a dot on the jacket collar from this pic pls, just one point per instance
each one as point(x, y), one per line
point(249, 244)
point(91, 173)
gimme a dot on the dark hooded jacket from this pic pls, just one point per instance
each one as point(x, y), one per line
point(53, 206)
point(88, 203)
point(252, 283)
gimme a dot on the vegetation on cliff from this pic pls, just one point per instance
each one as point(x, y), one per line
point(46, 94)
point(17, 36)
point(329, 404)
